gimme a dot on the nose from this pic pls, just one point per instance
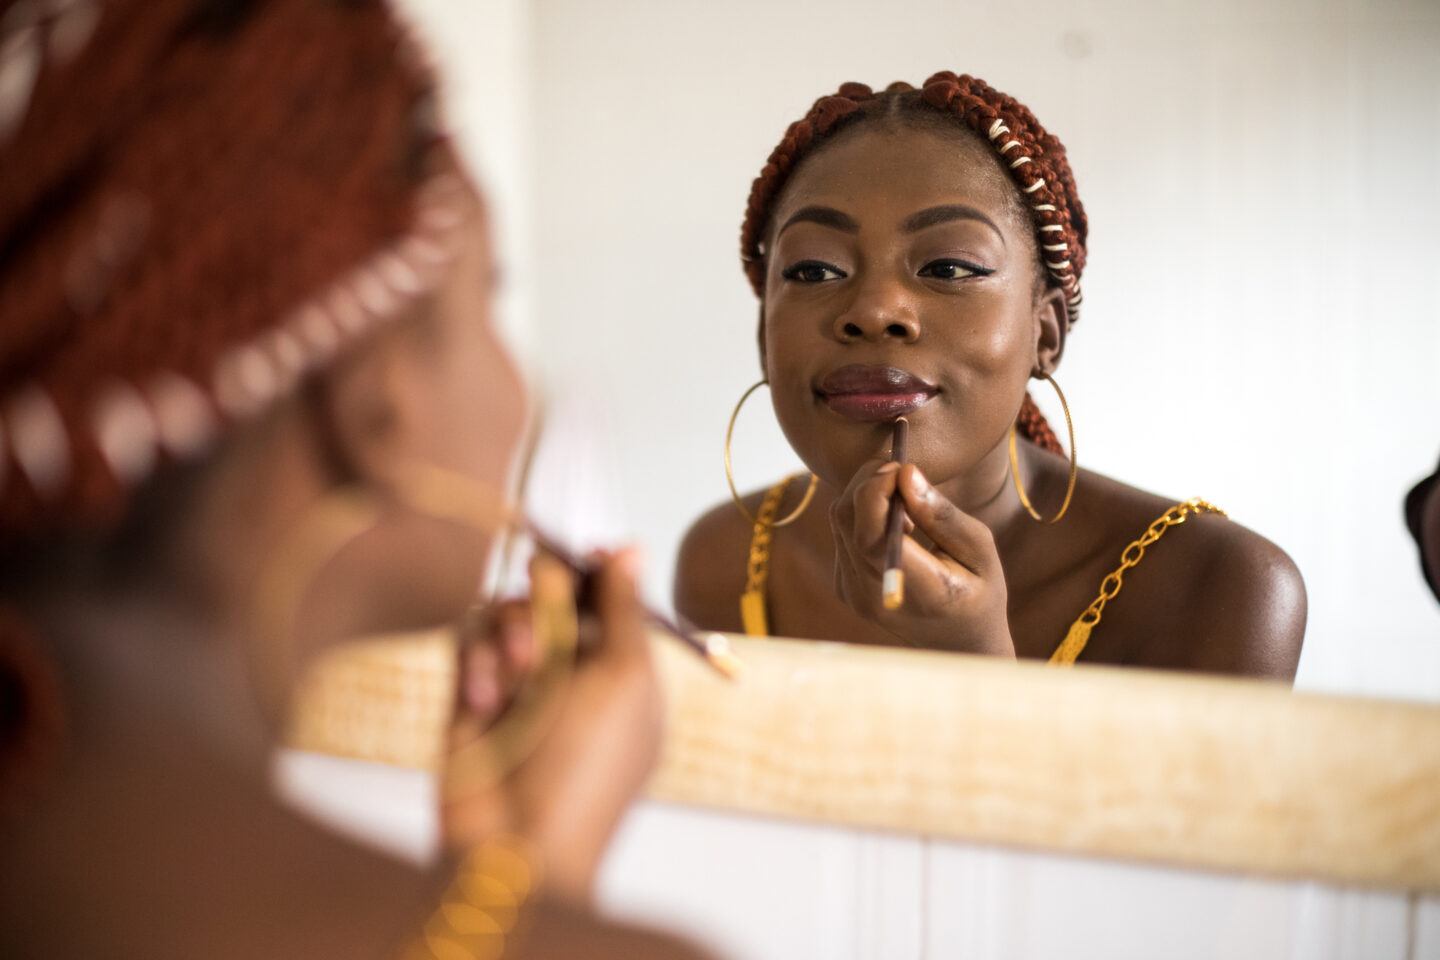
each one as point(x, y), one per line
point(880, 311)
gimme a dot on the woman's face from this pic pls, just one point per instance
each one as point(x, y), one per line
point(470, 401)
point(901, 279)
point(437, 393)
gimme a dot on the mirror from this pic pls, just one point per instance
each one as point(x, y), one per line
point(1255, 330)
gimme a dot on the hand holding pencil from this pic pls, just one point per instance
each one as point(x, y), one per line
point(910, 560)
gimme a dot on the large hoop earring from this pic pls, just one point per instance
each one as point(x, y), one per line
point(730, 474)
point(1015, 462)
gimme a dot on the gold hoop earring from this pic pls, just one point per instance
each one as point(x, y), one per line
point(1015, 462)
point(730, 474)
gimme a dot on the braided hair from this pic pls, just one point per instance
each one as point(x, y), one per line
point(1034, 159)
point(203, 199)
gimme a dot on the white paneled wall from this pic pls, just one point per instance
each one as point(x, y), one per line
point(762, 890)
point(757, 889)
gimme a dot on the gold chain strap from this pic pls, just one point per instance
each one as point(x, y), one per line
point(757, 566)
point(1079, 633)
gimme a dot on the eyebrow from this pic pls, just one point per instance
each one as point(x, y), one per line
point(931, 216)
point(825, 216)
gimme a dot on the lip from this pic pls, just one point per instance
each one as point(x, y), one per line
point(874, 393)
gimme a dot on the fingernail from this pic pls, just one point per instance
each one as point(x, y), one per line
point(630, 561)
point(890, 467)
point(482, 693)
point(918, 482)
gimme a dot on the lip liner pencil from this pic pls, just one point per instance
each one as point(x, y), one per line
point(714, 649)
point(893, 582)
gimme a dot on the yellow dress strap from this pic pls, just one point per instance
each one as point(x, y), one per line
point(753, 613)
point(1079, 633)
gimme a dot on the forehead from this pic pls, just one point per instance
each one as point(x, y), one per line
point(887, 171)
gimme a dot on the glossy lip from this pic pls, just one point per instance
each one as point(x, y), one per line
point(874, 393)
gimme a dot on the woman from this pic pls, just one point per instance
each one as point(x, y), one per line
point(240, 276)
point(918, 253)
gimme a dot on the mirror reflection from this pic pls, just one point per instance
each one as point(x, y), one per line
point(918, 254)
point(1250, 271)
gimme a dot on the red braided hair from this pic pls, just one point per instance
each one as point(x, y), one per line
point(1034, 159)
point(178, 194)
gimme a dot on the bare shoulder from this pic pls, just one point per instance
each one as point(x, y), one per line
point(1247, 611)
point(1211, 595)
point(710, 568)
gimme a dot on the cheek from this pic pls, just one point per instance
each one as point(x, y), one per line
point(476, 407)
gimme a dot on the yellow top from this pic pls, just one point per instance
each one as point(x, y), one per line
point(753, 609)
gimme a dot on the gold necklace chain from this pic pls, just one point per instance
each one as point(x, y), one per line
point(1079, 633)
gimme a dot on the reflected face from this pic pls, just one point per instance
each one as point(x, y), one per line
point(901, 279)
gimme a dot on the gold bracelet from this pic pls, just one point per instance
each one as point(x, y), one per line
point(482, 904)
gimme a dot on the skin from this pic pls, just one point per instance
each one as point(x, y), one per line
point(159, 827)
point(959, 302)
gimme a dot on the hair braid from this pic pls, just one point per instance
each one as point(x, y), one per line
point(1034, 159)
point(183, 185)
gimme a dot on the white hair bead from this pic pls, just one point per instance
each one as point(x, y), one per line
point(39, 440)
point(1035, 186)
point(245, 380)
point(399, 275)
point(1056, 247)
point(440, 218)
point(372, 292)
point(1019, 162)
point(317, 330)
point(1052, 228)
point(20, 60)
point(1009, 144)
point(349, 315)
point(125, 431)
point(1062, 265)
point(997, 128)
point(183, 416)
point(1045, 206)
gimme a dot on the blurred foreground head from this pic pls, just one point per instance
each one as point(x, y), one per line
point(239, 270)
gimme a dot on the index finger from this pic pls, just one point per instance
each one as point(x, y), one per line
point(954, 531)
point(869, 496)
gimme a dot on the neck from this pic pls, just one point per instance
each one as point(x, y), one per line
point(986, 490)
point(161, 830)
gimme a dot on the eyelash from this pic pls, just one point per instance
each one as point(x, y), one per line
point(972, 269)
point(794, 271)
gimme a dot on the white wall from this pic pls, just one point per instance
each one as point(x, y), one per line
point(1258, 327)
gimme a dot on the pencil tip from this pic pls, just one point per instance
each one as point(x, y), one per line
point(722, 658)
point(893, 588)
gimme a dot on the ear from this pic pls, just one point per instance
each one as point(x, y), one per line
point(361, 410)
point(1051, 326)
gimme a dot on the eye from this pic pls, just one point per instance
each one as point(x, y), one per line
point(953, 270)
point(812, 271)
